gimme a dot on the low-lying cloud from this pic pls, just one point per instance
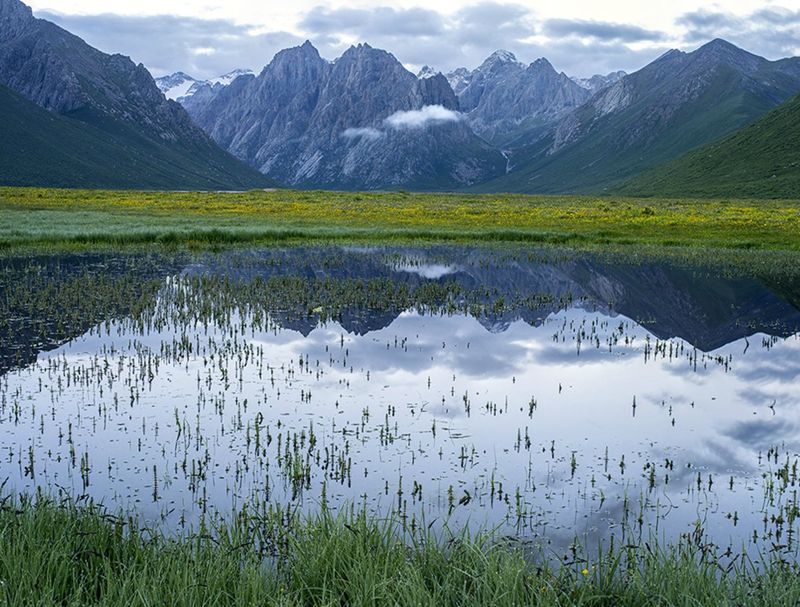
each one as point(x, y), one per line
point(419, 119)
point(429, 115)
point(368, 133)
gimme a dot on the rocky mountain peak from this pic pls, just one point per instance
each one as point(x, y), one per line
point(722, 51)
point(426, 72)
point(499, 59)
point(303, 52)
point(15, 17)
point(542, 65)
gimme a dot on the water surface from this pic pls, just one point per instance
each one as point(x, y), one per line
point(545, 397)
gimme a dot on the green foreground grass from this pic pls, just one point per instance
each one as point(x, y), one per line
point(46, 218)
point(54, 554)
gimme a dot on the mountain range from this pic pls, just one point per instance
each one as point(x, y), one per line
point(77, 117)
point(687, 122)
point(179, 86)
point(673, 105)
point(362, 121)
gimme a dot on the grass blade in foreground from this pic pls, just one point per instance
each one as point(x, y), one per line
point(66, 555)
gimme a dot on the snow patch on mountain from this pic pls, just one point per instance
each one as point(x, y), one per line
point(180, 86)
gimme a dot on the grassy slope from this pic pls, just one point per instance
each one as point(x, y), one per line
point(759, 161)
point(612, 152)
point(47, 149)
point(60, 555)
point(39, 217)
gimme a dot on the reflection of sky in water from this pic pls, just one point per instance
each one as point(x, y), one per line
point(431, 271)
point(438, 402)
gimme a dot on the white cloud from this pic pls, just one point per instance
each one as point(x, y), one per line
point(580, 37)
point(362, 133)
point(418, 119)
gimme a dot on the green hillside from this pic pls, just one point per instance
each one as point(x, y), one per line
point(665, 110)
point(42, 148)
point(758, 161)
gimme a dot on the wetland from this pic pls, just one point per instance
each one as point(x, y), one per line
point(571, 402)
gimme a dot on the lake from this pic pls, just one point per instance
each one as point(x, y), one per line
point(550, 397)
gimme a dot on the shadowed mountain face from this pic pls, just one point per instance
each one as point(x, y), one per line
point(363, 121)
point(761, 160)
point(60, 73)
point(503, 95)
point(676, 103)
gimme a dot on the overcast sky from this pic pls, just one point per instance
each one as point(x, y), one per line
point(207, 38)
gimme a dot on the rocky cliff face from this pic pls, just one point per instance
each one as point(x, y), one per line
point(663, 90)
point(59, 72)
point(598, 82)
point(678, 102)
point(503, 94)
point(362, 121)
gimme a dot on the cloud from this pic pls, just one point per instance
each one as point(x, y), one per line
point(418, 119)
point(381, 20)
point(203, 48)
point(420, 36)
point(601, 30)
point(771, 31)
point(429, 115)
point(367, 133)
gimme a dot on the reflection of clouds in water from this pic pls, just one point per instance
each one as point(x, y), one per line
point(592, 414)
point(761, 398)
point(426, 270)
point(761, 434)
point(445, 338)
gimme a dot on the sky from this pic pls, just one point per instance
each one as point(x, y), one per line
point(207, 38)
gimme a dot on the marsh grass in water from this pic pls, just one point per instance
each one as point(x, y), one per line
point(183, 399)
point(62, 554)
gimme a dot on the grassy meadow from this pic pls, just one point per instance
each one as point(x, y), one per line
point(82, 218)
point(61, 554)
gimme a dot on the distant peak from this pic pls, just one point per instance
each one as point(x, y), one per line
point(14, 16)
point(720, 43)
point(542, 64)
point(426, 72)
point(305, 50)
point(15, 7)
point(499, 58)
point(724, 51)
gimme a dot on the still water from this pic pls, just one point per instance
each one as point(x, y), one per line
point(548, 398)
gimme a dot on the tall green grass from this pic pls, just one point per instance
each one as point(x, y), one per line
point(62, 554)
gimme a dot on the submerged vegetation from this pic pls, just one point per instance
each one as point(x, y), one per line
point(63, 554)
point(356, 425)
point(80, 218)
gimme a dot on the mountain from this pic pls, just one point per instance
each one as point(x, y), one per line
point(459, 79)
point(503, 96)
point(360, 122)
point(759, 161)
point(179, 85)
point(426, 72)
point(103, 104)
point(675, 104)
point(598, 82)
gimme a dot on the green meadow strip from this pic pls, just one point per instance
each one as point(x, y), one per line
point(63, 554)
